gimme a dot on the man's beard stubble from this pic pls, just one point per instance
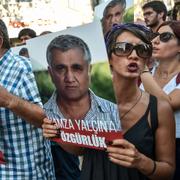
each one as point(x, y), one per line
point(154, 23)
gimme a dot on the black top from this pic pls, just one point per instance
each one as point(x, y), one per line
point(97, 166)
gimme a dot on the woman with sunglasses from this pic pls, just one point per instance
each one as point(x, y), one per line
point(147, 150)
point(164, 81)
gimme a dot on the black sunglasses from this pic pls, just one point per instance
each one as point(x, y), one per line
point(164, 37)
point(125, 49)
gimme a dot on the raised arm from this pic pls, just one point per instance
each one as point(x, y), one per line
point(165, 142)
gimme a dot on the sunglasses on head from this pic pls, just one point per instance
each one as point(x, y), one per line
point(164, 37)
point(125, 49)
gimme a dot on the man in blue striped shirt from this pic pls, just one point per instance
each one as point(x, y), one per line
point(27, 153)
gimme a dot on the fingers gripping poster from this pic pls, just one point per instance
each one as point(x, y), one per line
point(96, 134)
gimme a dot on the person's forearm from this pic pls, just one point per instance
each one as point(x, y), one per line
point(151, 86)
point(30, 112)
point(156, 170)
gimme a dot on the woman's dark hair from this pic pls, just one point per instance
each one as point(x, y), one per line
point(27, 31)
point(175, 26)
point(138, 30)
point(175, 10)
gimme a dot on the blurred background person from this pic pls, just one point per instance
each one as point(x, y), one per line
point(23, 36)
point(26, 34)
point(155, 13)
point(24, 52)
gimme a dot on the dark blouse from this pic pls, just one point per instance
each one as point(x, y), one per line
point(97, 166)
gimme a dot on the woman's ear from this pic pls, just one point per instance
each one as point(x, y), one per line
point(49, 70)
point(161, 14)
point(89, 69)
point(50, 73)
point(1, 42)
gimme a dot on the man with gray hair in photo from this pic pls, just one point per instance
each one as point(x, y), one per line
point(113, 14)
point(69, 67)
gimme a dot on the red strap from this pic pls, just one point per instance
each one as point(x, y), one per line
point(178, 79)
point(139, 82)
point(2, 161)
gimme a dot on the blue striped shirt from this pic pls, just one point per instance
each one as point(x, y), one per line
point(101, 109)
point(26, 152)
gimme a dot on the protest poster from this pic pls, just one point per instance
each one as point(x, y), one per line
point(92, 132)
point(90, 33)
point(95, 134)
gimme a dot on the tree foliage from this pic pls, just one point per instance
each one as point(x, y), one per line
point(129, 15)
point(44, 84)
point(101, 81)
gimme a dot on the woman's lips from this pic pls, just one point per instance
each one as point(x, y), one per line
point(133, 67)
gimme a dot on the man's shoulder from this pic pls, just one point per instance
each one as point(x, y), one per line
point(50, 103)
point(23, 62)
point(105, 104)
point(104, 101)
point(20, 62)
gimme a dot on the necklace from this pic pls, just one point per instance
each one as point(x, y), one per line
point(138, 99)
point(165, 75)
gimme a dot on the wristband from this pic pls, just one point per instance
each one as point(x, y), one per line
point(145, 71)
point(154, 169)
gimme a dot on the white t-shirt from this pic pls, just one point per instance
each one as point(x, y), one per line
point(168, 88)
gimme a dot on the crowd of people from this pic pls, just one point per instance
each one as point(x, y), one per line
point(145, 67)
